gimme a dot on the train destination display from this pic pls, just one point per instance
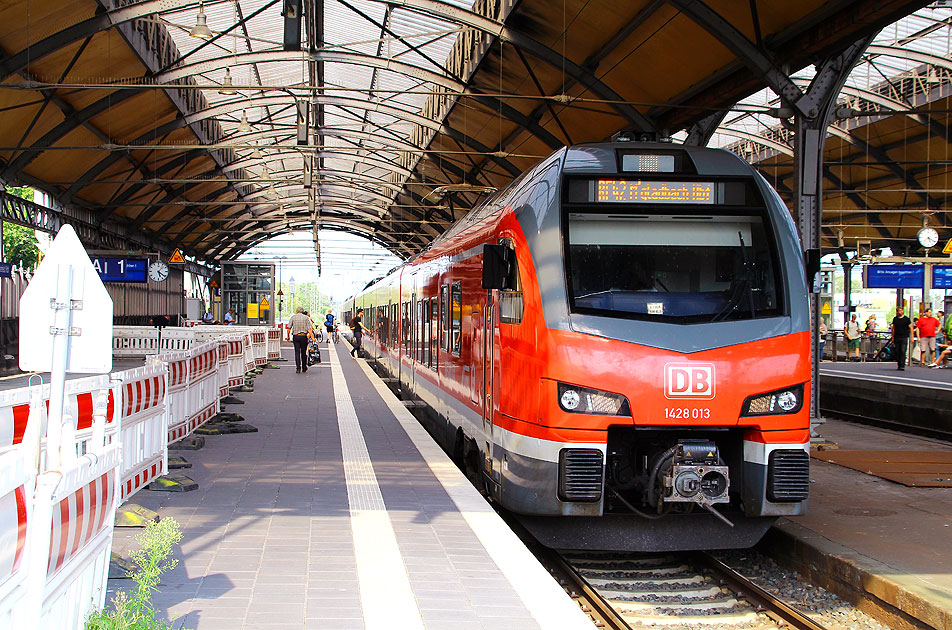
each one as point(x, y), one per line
point(639, 191)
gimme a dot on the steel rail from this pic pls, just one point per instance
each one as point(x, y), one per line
point(772, 605)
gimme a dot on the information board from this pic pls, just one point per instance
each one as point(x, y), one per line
point(114, 269)
point(639, 191)
point(893, 276)
point(942, 276)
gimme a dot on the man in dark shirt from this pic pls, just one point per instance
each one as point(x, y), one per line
point(357, 325)
point(901, 329)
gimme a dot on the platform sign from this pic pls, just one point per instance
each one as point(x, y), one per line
point(942, 276)
point(948, 247)
point(893, 276)
point(6, 270)
point(113, 269)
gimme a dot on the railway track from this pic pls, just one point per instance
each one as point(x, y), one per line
point(670, 591)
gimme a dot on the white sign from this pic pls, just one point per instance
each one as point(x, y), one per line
point(689, 380)
point(86, 311)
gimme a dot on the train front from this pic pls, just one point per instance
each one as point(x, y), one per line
point(675, 362)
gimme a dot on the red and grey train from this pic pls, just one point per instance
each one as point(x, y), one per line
point(616, 346)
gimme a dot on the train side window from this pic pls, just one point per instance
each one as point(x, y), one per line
point(406, 328)
point(456, 316)
point(445, 317)
point(434, 334)
point(427, 333)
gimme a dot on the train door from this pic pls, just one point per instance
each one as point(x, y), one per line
point(490, 385)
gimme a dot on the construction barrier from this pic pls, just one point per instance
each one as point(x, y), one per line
point(144, 432)
point(274, 344)
point(139, 341)
point(203, 399)
point(259, 344)
point(56, 525)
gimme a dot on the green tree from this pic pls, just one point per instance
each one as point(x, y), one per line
point(19, 243)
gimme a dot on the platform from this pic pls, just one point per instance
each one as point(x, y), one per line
point(917, 396)
point(341, 512)
point(866, 533)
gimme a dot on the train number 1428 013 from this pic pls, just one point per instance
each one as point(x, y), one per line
point(687, 413)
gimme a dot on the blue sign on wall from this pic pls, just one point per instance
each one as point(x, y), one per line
point(121, 269)
point(893, 276)
point(6, 270)
point(942, 276)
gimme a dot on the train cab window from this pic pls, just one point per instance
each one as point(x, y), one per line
point(456, 317)
point(680, 268)
point(510, 301)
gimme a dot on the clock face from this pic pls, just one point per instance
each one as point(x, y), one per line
point(158, 271)
point(928, 237)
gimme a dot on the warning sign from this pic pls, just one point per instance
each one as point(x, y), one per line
point(826, 309)
point(264, 304)
point(948, 247)
point(213, 284)
point(177, 258)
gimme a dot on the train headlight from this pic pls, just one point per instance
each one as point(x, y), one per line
point(593, 401)
point(782, 401)
point(570, 400)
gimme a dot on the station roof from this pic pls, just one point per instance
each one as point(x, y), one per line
point(395, 116)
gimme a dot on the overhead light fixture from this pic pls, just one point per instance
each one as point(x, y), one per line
point(255, 153)
point(244, 126)
point(227, 87)
point(201, 30)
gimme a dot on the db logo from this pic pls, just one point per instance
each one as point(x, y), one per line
point(689, 380)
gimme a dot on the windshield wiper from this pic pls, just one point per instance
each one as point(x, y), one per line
point(739, 288)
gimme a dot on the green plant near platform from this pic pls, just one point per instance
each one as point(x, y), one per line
point(133, 610)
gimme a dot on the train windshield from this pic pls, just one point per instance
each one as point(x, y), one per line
point(672, 267)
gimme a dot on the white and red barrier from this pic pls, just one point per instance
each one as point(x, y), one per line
point(56, 525)
point(176, 402)
point(203, 398)
point(259, 345)
point(144, 433)
point(18, 470)
point(274, 344)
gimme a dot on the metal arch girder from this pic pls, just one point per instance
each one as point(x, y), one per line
point(327, 56)
point(75, 32)
point(910, 55)
point(391, 143)
point(745, 50)
point(338, 101)
point(700, 132)
point(779, 147)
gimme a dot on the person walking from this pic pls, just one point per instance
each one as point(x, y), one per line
point(927, 325)
point(824, 329)
point(901, 329)
point(852, 337)
point(301, 326)
point(357, 325)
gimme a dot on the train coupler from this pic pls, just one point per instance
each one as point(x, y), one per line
point(697, 475)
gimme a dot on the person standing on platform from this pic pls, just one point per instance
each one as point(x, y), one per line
point(901, 329)
point(940, 337)
point(329, 325)
point(927, 326)
point(824, 329)
point(852, 337)
point(357, 325)
point(301, 326)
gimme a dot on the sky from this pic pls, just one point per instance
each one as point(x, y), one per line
point(348, 262)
